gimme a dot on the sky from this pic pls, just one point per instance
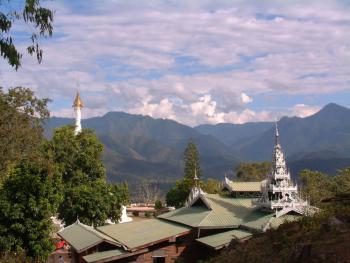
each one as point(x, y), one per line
point(193, 61)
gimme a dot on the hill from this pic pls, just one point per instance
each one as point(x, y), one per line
point(230, 134)
point(139, 147)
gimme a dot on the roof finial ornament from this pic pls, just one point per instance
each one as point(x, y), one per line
point(277, 134)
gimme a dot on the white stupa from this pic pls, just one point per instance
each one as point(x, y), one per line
point(77, 105)
point(279, 194)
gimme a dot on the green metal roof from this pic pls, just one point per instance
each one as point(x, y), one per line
point(220, 240)
point(138, 234)
point(258, 220)
point(104, 256)
point(191, 216)
point(223, 212)
point(245, 186)
point(82, 237)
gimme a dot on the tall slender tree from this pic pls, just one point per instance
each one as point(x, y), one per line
point(191, 160)
point(178, 194)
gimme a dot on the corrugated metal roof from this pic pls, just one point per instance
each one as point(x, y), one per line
point(258, 220)
point(138, 234)
point(220, 240)
point(105, 255)
point(245, 186)
point(224, 212)
point(82, 237)
point(191, 216)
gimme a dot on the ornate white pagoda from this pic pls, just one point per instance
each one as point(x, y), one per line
point(279, 194)
point(77, 105)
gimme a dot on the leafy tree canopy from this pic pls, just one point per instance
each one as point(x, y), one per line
point(78, 157)
point(210, 186)
point(252, 171)
point(87, 196)
point(21, 131)
point(318, 186)
point(93, 203)
point(34, 15)
point(29, 197)
point(315, 186)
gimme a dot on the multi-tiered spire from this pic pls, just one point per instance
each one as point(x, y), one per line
point(77, 105)
point(279, 194)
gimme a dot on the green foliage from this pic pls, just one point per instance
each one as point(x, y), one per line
point(38, 18)
point(158, 205)
point(87, 196)
point(311, 184)
point(342, 182)
point(317, 186)
point(78, 157)
point(211, 186)
point(178, 194)
point(191, 160)
point(29, 197)
point(93, 203)
point(252, 171)
point(21, 132)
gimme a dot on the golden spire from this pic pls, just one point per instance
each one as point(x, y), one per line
point(78, 103)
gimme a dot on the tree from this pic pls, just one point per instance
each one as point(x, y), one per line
point(211, 186)
point(179, 192)
point(87, 196)
point(252, 171)
point(191, 160)
point(29, 197)
point(315, 186)
point(147, 191)
point(78, 157)
point(38, 18)
point(341, 182)
point(21, 132)
point(93, 203)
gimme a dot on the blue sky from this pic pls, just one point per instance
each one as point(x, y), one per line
point(194, 61)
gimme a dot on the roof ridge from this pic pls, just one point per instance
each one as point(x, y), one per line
point(211, 211)
point(97, 233)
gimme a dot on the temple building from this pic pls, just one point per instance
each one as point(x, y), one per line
point(208, 222)
point(279, 194)
point(241, 189)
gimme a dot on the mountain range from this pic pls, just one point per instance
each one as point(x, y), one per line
point(140, 147)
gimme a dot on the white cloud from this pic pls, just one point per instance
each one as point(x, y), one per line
point(302, 110)
point(192, 61)
point(245, 98)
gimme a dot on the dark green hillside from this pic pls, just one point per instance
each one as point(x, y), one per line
point(140, 147)
point(229, 133)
